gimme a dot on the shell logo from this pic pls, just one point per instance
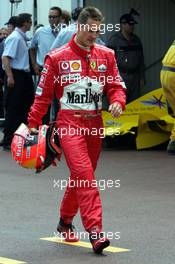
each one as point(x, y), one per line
point(76, 66)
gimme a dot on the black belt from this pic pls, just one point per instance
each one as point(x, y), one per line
point(167, 68)
point(26, 71)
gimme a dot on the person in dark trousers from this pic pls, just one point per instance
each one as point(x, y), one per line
point(11, 24)
point(129, 53)
point(20, 94)
point(2, 39)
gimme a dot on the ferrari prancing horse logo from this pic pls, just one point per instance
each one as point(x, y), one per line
point(93, 65)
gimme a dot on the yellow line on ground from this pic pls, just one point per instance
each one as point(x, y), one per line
point(83, 244)
point(10, 261)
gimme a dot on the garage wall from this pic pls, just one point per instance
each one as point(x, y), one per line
point(156, 29)
point(5, 9)
point(26, 6)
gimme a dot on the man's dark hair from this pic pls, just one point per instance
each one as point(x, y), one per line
point(76, 12)
point(12, 21)
point(66, 17)
point(56, 8)
point(90, 12)
point(22, 18)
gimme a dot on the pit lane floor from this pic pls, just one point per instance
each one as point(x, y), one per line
point(140, 209)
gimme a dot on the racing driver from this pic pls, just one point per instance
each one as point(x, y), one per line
point(78, 74)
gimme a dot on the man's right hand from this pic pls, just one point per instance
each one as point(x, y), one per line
point(10, 81)
point(36, 68)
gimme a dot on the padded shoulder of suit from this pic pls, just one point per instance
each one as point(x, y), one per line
point(58, 50)
point(104, 49)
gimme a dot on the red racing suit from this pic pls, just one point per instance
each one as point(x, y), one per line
point(78, 78)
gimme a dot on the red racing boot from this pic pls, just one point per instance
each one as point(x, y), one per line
point(99, 242)
point(67, 231)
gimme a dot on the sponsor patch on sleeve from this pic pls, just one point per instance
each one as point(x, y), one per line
point(42, 79)
point(45, 69)
point(39, 91)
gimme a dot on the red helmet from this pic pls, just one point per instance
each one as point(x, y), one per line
point(35, 151)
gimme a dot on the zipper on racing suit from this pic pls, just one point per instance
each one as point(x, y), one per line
point(89, 83)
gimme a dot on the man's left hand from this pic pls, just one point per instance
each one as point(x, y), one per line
point(115, 109)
